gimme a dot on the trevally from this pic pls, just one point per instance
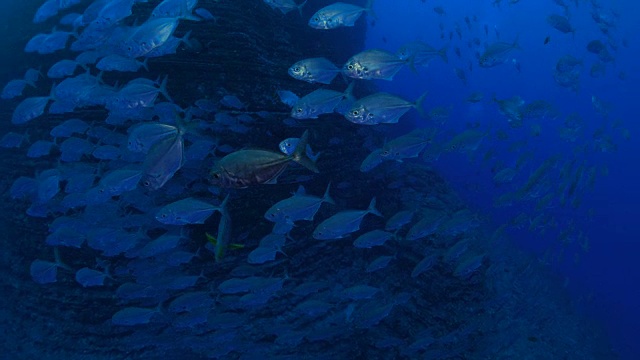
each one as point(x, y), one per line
point(381, 108)
point(343, 223)
point(339, 14)
point(318, 102)
point(298, 207)
point(375, 64)
point(245, 168)
point(314, 70)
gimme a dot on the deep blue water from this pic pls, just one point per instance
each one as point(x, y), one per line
point(562, 279)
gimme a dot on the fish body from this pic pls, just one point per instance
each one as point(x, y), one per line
point(318, 102)
point(560, 23)
point(148, 36)
point(421, 53)
point(372, 238)
point(407, 146)
point(381, 108)
point(186, 211)
point(343, 223)
point(374, 64)
point(248, 167)
point(285, 6)
point(314, 70)
point(338, 15)
point(162, 162)
point(298, 207)
point(497, 53)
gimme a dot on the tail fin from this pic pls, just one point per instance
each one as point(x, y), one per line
point(369, 9)
point(372, 208)
point(300, 7)
point(443, 54)
point(419, 102)
point(300, 153)
point(326, 197)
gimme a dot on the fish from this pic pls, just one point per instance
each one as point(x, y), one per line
point(29, 109)
point(318, 102)
point(175, 8)
point(426, 226)
point(298, 207)
point(115, 62)
point(421, 53)
point(289, 145)
point(89, 277)
point(372, 160)
point(288, 98)
point(150, 35)
point(382, 108)
point(285, 6)
point(339, 14)
point(142, 137)
point(372, 238)
point(379, 263)
point(407, 146)
point(497, 53)
point(560, 23)
point(163, 160)
point(375, 64)
point(248, 167)
point(186, 211)
point(399, 220)
point(314, 70)
point(343, 223)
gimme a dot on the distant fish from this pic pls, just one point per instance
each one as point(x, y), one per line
point(560, 23)
point(318, 102)
point(163, 160)
point(497, 53)
point(298, 207)
point(338, 15)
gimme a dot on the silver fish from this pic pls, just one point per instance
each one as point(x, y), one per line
point(298, 207)
point(245, 168)
point(381, 108)
point(163, 160)
point(318, 102)
point(343, 223)
point(285, 5)
point(314, 70)
point(375, 64)
point(338, 15)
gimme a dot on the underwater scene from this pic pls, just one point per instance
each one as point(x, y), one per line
point(319, 179)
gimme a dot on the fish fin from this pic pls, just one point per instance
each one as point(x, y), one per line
point(372, 208)
point(223, 205)
point(516, 44)
point(211, 239)
point(300, 153)
point(145, 64)
point(326, 197)
point(59, 263)
point(419, 102)
point(236, 246)
point(443, 54)
point(300, 191)
point(348, 93)
point(163, 89)
point(369, 8)
point(300, 7)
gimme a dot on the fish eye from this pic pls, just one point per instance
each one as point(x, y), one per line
point(299, 110)
point(164, 216)
point(350, 67)
point(296, 69)
point(216, 175)
point(384, 153)
point(146, 183)
point(355, 112)
point(287, 144)
point(316, 19)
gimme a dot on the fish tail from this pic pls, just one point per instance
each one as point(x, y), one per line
point(369, 9)
point(327, 198)
point(372, 208)
point(145, 64)
point(163, 89)
point(300, 7)
point(419, 102)
point(222, 208)
point(59, 263)
point(443, 54)
point(348, 93)
point(300, 153)
point(516, 44)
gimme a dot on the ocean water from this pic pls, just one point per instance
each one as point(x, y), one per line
point(164, 198)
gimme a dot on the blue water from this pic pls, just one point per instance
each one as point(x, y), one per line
point(556, 275)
